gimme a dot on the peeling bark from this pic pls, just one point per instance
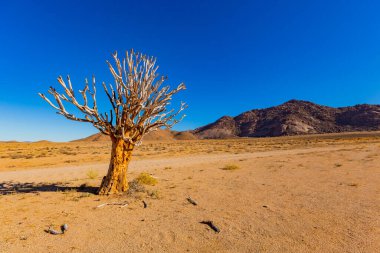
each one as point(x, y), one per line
point(116, 180)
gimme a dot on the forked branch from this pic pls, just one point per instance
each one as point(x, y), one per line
point(139, 103)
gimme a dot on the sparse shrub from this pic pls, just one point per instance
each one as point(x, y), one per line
point(135, 186)
point(84, 195)
point(168, 168)
point(231, 167)
point(154, 194)
point(75, 198)
point(64, 152)
point(16, 156)
point(146, 178)
point(92, 174)
point(70, 161)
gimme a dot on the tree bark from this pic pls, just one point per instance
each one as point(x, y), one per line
point(116, 180)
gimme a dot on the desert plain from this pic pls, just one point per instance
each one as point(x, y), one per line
point(315, 193)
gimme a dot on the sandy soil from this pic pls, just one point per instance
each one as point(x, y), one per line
point(299, 194)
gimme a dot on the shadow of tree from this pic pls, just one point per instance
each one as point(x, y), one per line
point(7, 188)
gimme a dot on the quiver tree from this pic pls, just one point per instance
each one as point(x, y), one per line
point(139, 105)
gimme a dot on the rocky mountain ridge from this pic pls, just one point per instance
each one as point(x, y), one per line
point(295, 117)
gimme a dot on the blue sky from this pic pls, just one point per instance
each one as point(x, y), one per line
point(233, 55)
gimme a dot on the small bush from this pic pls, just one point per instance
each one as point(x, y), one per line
point(92, 174)
point(231, 167)
point(16, 156)
point(146, 178)
point(154, 194)
point(135, 186)
point(85, 195)
point(70, 161)
point(64, 152)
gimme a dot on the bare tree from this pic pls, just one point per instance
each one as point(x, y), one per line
point(139, 106)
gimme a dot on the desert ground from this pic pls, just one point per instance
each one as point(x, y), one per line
point(318, 193)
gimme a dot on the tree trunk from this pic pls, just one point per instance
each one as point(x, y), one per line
point(116, 179)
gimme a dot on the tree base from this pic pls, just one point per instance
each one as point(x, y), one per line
point(116, 180)
point(108, 188)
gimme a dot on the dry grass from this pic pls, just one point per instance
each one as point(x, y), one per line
point(231, 167)
point(146, 178)
point(154, 194)
point(92, 174)
point(292, 194)
point(19, 156)
point(134, 186)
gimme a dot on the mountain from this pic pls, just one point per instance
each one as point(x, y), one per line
point(159, 135)
point(295, 117)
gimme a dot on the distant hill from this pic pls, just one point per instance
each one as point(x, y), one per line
point(159, 135)
point(294, 117)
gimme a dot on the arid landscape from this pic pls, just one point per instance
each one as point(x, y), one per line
point(190, 126)
point(314, 193)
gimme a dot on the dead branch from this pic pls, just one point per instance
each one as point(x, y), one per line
point(121, 204)
point(192, 201)
point(138, 100)
point(211, 225)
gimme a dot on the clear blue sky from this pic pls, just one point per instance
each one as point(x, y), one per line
point(233, 55)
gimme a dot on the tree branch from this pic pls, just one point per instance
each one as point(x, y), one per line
point(139, 104)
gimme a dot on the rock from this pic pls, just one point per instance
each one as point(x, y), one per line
point(64, 228)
